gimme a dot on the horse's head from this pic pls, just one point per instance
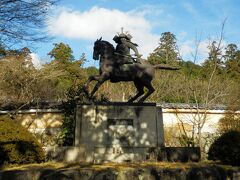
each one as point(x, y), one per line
point(102, 48)
point(97, 49)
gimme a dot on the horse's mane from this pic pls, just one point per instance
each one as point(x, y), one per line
point(108, 44)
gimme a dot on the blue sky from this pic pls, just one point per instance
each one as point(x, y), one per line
point(80, 22)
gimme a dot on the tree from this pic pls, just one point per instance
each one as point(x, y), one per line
point(21, 83)
point(62, 52)
point(232, 60)
point(22, 20)
point(17, 76)
point(92, 70)
point(72, 74)
point(214, 60)
point(167, 51)
point(190, 69)
point(230, 52)
point(2, 51)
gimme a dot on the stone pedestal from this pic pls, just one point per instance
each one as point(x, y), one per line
point(118, 132)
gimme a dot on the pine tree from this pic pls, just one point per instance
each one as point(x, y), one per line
point(167, 51)
point(214, 60)
point(62, 52)
point(232, 60)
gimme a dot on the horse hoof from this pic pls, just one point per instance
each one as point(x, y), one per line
point(140, 101)
point(90, 98)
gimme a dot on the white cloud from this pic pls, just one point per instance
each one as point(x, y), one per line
point(97, 22)
point(188, 48)
point(203, 49)
point(36, 61)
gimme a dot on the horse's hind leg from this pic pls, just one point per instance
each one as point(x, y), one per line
point(150, 88)
point(140, 91)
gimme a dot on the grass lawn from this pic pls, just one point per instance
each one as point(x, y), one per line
point(116, 166)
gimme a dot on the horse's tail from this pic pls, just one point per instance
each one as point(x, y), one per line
point(163, 66)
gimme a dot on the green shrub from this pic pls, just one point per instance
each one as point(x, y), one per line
point(226, 148)
point(17, 145)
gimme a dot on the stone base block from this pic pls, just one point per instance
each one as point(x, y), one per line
point(118, 132)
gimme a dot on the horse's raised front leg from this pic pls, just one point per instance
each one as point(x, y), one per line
point(86, 85)
point(90, 79)
point(100, 80)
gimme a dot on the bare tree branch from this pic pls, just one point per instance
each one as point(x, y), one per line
point(22, 20)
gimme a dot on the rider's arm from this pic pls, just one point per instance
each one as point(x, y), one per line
point(131, 46)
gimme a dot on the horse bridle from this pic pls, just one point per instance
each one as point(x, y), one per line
point(97, 49)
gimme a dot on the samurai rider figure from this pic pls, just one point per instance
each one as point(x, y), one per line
point(124, 45)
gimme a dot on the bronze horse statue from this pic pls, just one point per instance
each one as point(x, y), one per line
point(140, 73)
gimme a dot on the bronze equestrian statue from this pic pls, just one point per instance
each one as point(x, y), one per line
point(116, 67)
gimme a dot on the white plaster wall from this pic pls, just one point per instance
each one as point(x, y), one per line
point(173, 116)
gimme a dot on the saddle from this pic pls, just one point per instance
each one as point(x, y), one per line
point(121, 72)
